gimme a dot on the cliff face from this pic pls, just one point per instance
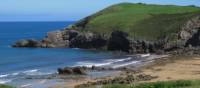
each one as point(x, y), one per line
point(125, 27)
point(191, 32)
point(189, 36)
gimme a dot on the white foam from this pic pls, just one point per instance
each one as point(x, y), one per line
point(125, 64)
point(27, 72)
point(11, 74)
point(4, 81)
point(16, 73)
point(43, 73)
point(2, 76)
point(31, 71)
point(120, 60)
point(25, 86)
point(107, 62)
point(90, 64)
point(145, 55)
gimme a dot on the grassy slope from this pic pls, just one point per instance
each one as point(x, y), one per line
point(141, 21)
point(169, 84)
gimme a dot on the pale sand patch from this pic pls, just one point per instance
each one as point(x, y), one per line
point(181, 69)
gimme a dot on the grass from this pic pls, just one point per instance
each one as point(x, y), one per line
point(141, 21)
point(168, 84)
point(5, 86)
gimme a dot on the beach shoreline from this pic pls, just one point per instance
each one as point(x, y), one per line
point(162, 69)
point(132, 68)
point(153, 68)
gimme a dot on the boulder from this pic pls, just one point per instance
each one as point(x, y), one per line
point(79, 71)
point(72, 71)
point(65, 71)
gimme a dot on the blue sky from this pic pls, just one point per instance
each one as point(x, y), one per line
point(65, 10)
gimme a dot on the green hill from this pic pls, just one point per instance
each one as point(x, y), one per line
point(133, 28)
point(141, 21)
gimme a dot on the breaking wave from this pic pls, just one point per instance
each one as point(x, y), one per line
point(111, 62)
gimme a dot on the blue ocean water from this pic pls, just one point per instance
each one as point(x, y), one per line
point(18, 62)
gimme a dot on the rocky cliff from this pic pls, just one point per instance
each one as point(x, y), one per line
point(170, 31)
point(188, 37)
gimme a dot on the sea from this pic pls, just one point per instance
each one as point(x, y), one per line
point(16, 64)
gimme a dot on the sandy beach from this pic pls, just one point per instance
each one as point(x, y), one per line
point(164, 69)
point(175, 68)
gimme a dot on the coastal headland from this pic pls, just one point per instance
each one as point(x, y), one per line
point(169, 30)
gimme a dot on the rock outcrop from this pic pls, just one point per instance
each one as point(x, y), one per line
point(190, 28)
point(72, 71)
point(187, 38)
point(55, 39)
point(27, 43)
point(82, 70)
point(88, 40)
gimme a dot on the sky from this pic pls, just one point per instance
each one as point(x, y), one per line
point(66, 10)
